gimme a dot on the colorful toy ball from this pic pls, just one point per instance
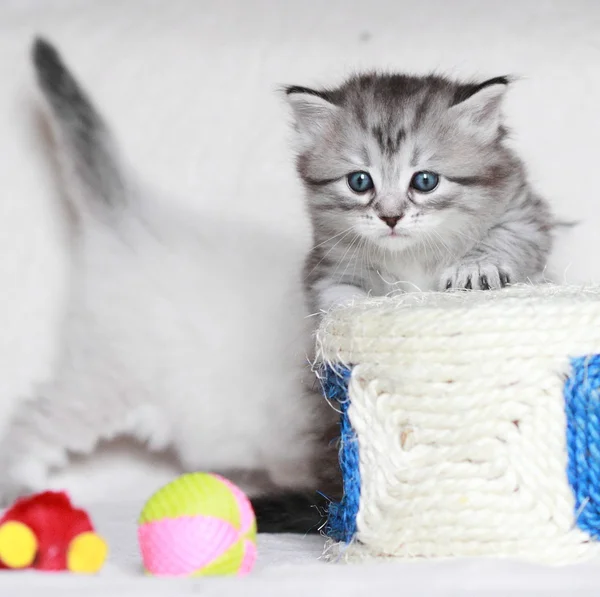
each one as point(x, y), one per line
point(200, 524)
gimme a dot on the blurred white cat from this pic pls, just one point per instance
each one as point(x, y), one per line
point(152, 288)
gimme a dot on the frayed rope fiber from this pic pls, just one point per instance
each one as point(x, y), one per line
point(341, 520)
point(470, 424)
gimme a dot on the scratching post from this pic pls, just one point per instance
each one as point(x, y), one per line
point(470, 424)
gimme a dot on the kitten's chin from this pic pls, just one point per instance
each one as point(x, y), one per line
point(394, 242)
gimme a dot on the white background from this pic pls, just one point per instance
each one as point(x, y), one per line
point(191, 89)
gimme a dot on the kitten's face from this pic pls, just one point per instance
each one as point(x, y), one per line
point(403, 161)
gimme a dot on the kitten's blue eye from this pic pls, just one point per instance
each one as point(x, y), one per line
point(424, 181)
point(360, 182)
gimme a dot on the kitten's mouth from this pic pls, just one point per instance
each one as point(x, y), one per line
point(395, 239)
point(395, 234)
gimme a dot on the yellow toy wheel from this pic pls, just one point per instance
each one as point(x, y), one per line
point(87, 553)
point(18, 545)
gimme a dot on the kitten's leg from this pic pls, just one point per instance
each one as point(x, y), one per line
point(38, 440)
point(66, 420)
point(328, 294)
point(514, 251)
point(333, 277)
point(294, 508)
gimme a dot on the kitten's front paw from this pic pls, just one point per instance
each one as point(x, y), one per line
point(475, 276)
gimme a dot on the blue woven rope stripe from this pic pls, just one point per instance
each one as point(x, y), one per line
point(582, 402)
point(341, 519)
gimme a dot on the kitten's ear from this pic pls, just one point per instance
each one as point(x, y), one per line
point(312, 112)
point(480, 106)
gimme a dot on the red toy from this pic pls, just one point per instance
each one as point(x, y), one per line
point(46, 532)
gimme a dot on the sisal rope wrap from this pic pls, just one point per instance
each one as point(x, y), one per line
point(471, 424)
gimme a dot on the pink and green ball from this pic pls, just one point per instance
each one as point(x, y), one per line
point(198, 525)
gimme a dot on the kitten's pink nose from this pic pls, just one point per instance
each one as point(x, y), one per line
point(391, 221)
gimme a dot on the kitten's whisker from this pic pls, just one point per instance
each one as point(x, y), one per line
point(326, 254)
point(343, 258)
point(357, 237)
point(356, 255)
point(440, 249)
point(369, 256)
point(426, 243)
point(361, 248)
point(465, 235)
point(332, 237)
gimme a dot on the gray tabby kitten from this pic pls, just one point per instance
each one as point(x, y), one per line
point(411, 185)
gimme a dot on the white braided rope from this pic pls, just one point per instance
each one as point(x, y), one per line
point(457, 403)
